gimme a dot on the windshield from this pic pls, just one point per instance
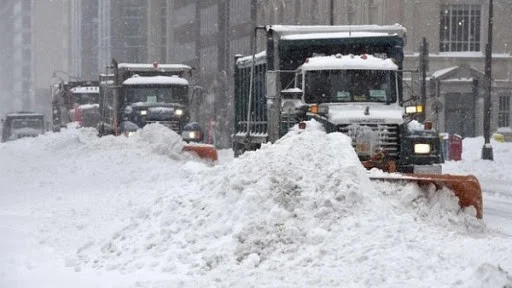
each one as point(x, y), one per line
point(18, 124)
point(86, 98)
point(161, 94)
point(349, 86)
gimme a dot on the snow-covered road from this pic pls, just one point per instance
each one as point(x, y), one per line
point(498, 204)
point(78, 211)
point(495, 179)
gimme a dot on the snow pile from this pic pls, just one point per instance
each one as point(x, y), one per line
point(472, 162)
point(267, 203)
point(162, 140)
point(414, 125)
point(82, 211)
point(428, 204)
point(307, 210)
point(494, 178)
point(487, 275)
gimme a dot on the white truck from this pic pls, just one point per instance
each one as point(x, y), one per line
point(349, 78)
point(75, 101)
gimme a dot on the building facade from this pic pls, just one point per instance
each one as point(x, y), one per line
point(31, 51)
point(18, 55)
point(130, 31)
point(456, 31)
point(206, 35)
point(6, 52)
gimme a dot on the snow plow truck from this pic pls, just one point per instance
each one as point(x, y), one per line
point(349, 79)
point(75, 101)
point(137, 94)
point(22, 124)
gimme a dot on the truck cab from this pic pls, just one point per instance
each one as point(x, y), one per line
point(85, 108)
point(22, 124)
point(141, 94)
point(349, 78)
point(75, 101)
point(358, 95)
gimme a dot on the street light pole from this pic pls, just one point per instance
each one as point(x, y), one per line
point(487, 153)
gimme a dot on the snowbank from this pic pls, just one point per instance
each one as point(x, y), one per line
point(133, 212)
point(472, 162)
point(291, 215)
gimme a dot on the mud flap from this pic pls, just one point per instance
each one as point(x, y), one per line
point(203, 151)
point(466, 188)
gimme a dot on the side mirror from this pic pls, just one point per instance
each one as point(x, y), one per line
point(302, 111)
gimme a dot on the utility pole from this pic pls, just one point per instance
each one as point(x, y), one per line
point(423, 68)
point(487, 153)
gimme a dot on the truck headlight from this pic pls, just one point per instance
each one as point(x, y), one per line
point(178, 112)
point(413, 109)
point(422, 148)
point(191, 135)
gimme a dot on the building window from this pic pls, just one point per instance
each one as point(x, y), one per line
point(208, 59)
point(460, 28)
point(239, 11)
point(504, 111)
point(185, 52)
point(209, 20)
point(184, 15)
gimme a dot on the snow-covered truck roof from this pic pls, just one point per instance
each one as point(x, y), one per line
point(25, 114)
point(348, 62)
point(295, 32)
point(86, 90)
point(151, 67)
point(260, 57)
point(158, 80)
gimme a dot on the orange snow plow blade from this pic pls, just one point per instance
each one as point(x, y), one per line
point(203, 151)
point(466, 188)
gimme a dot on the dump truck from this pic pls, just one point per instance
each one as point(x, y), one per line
point(133, 95)
point(75, 101)
point(22, 124)
point(349, 79)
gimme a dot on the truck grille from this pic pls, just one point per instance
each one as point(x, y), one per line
point(173, 125)
point(368, 137)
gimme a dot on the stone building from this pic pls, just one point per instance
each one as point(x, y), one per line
point(206, 34)
point(456, 31)
point(130, 31)
point(30, 52)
